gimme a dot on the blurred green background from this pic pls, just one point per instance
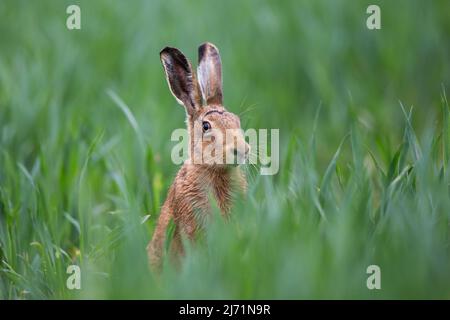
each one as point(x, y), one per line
point(362, 180)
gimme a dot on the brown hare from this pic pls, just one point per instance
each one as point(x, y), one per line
point(204, 173)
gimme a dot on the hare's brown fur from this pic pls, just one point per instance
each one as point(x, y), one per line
point(188, 199)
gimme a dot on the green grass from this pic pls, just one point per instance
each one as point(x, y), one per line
point(85, 124)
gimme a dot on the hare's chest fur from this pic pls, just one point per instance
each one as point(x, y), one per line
point(196, 187)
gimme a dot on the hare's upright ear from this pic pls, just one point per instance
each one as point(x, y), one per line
point(182, 81)
point(210, 73)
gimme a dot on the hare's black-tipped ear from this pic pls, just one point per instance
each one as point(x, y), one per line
point(182, 81)
point(209, 73)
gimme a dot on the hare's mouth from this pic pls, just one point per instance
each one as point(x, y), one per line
point(239, 158)
point(230, 157)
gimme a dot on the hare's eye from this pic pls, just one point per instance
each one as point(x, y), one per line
point(206, 126)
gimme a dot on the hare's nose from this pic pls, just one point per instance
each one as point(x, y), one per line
point(237, 152)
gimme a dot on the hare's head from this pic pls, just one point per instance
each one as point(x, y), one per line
point(215, 133)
